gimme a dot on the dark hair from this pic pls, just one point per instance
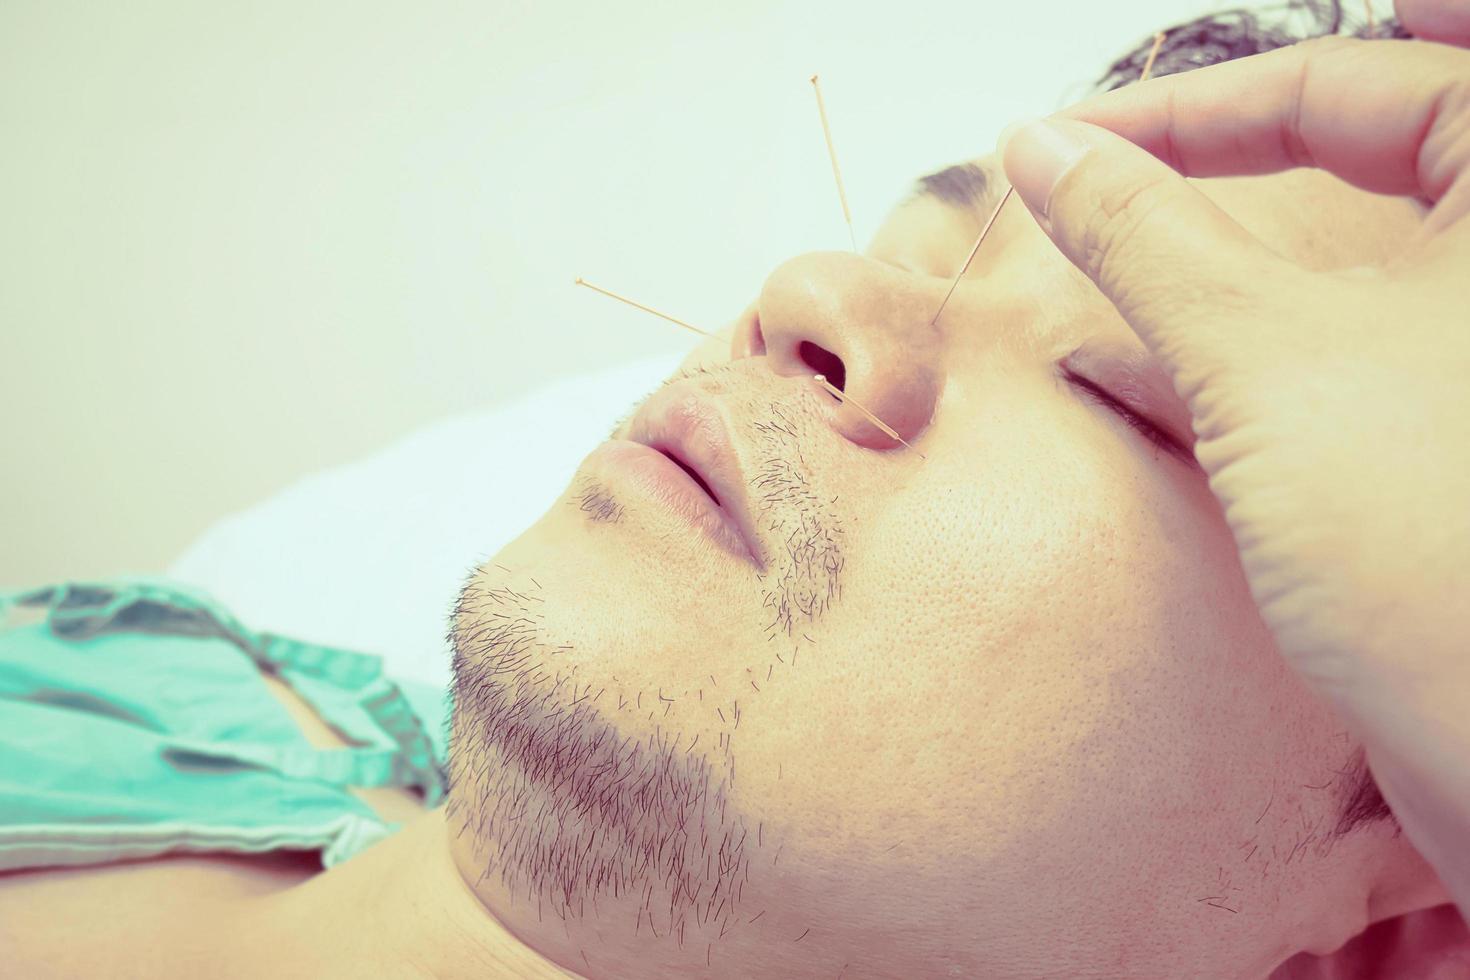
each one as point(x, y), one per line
point(1240, 33)
point(1226, 36)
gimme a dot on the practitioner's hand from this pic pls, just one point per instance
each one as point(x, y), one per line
point(1332, 410)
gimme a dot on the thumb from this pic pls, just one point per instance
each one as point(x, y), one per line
point(1189, 280)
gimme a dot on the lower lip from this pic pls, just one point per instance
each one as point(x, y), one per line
point(656, 476)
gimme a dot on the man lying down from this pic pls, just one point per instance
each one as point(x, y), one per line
point(765, 694)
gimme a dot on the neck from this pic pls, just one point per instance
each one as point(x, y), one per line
point(399, 909)
point(402, 909)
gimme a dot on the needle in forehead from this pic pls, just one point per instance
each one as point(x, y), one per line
point(646, 309)
point(841, 395)
point(971, 257)
point(832, 152)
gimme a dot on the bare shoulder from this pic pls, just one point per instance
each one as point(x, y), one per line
point(394, 805)
point(127, 918)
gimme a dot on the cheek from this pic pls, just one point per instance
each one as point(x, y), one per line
point(1071, 697)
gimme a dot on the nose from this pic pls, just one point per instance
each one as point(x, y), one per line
point(865, 326)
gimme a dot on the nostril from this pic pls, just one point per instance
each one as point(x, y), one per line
point(823, 361)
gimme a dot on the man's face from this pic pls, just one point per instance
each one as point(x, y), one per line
point(1005, 709)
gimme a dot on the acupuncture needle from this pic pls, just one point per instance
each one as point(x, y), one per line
point(819, 379)
point(1153, 52)
point(843, 396)
point(1148, 68)
point(832, 152)
point(646, 309)
point(971, 257)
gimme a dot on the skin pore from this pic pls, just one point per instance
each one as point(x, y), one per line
point(1007, 711)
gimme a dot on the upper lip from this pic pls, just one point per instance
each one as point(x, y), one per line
point(686, 423)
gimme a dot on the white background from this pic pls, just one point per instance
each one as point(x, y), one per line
point(240, 242)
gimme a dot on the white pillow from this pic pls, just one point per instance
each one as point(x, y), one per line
point(371, 555)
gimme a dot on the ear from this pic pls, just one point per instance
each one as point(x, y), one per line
point(1429, 943)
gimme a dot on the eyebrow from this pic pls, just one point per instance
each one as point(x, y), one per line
point(963, 185)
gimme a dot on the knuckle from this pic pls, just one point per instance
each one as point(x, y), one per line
point(1135, 245)
point(1113, 242)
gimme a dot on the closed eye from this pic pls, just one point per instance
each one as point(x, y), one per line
point(1139, 423)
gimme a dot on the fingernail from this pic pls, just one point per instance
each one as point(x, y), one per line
point(1036, 156)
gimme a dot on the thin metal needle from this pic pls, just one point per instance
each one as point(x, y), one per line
point(971, 257)
point(1148, 66)
point(836, 171)
point(646, 309)
point(844, 396)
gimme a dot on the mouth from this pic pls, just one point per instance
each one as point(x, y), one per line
point(678, 449)
point(692, 473)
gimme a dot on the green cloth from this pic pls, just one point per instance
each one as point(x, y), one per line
point(134, 722)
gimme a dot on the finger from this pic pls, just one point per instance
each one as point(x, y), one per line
point(1436, 20)
point(1389, 116)
point(1190, 281)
